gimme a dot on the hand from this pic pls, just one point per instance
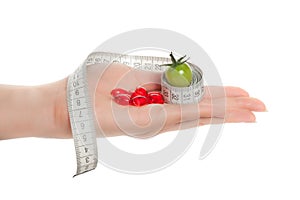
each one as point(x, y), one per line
point(219, 105)
point(41, 111)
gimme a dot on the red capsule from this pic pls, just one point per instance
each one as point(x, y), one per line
point(131, 102)
point(141, 91)
point(134, 95)
point(139, 100)
point(122, 99)
point(156, 97)
point(119, 91)
point(139, 97)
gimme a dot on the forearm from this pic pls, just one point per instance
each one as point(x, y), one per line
point(38, 111)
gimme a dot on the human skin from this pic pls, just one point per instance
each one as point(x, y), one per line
point(41, 111)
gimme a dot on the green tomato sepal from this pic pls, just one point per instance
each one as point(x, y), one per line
point(179, 73)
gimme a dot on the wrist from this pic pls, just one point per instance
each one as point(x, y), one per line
point(52, 105)
point(38, 111)
point(59, 109)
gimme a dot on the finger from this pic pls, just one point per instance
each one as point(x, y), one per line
point(249, 103)
point(228, 91)
point(234, 116)
point(210, 108)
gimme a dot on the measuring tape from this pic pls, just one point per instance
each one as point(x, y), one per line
point(80, 108)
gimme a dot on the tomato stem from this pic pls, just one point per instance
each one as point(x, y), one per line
point(180, 59)
point(175, 62)
point(172, 58)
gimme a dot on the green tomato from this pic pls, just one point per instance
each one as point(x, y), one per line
point(180, 76)
point(179, 73)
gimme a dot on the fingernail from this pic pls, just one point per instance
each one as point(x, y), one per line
point(260, 107)
point(252, 118)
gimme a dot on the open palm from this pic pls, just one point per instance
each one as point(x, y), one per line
point(219, 105)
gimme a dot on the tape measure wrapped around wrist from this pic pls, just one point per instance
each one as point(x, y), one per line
point(82, 119)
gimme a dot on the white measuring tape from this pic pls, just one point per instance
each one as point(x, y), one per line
point(80, 107)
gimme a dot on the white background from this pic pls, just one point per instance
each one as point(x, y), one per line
point(254, 44)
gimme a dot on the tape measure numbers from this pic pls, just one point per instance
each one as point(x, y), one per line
point(82, 119)
point(80, 107)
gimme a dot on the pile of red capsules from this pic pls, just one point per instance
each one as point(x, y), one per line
point(139, 97)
